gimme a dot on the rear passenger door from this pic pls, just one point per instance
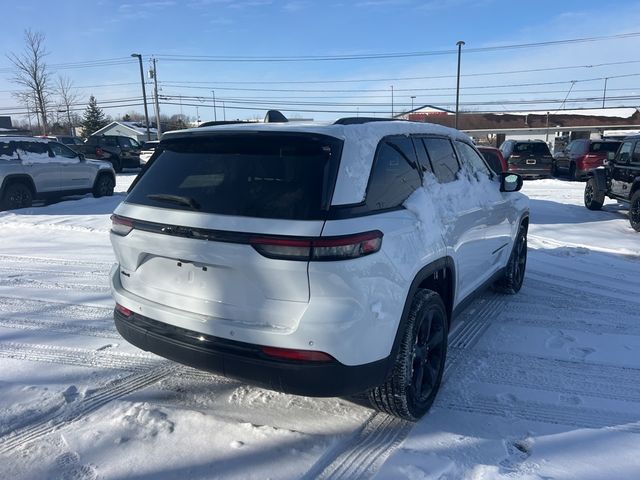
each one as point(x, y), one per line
point(74, 174)
point(620, 185)
point(463, 218)
point(498, 211)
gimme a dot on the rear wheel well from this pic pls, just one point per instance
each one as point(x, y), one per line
point(441, 282)
point(23, 179)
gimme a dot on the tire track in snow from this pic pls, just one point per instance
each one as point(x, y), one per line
point(93, 401)
point(79, 357)
point(362, 454)
point(569, 377)
point(58, 262)
point(609, 289)
point(540, 412)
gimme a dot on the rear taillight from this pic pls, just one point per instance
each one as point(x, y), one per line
point(123, 310)
point(302, 355)
point(121, 225)
point(319, 249)
point(99, 152)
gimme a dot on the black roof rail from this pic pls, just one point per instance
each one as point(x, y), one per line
point(360, 120)
point(213, 123)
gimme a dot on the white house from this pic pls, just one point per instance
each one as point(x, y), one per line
point(135, 130)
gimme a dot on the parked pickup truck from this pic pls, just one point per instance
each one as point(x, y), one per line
point(618, 180)
point(122, 152)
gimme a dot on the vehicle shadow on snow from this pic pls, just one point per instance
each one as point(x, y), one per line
point(74, 205)
point(548, 212)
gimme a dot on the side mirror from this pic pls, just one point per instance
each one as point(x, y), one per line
point(81, 157)
point(510, 182)
point(611, 156)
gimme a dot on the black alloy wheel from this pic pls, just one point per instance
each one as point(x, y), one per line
point(513, 277)
point(634, 211)
point(17, 195)
point(411, 388)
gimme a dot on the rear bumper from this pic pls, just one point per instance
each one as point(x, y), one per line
point(247, 362)
point(534, 171)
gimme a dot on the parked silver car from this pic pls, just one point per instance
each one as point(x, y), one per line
point(39, 168)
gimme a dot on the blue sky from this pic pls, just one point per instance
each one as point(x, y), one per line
point(84, 31)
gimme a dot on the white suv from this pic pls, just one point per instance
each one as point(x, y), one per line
point(321, 260)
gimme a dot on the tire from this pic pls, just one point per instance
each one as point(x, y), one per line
point(593, 198)
point(417, 372)
point(572, 172)
point(634, 211)
point(104, 186)
point(16, 195)
point(511, 281)
point(117, 164)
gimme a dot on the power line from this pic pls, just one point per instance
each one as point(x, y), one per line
point(400, 79)
point(379, 56)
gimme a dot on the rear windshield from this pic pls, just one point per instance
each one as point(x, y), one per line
point(264, 175)
point(604, 146)
point(532, 148)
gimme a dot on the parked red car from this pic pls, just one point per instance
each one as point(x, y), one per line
point(581, 156)
point(494, 158)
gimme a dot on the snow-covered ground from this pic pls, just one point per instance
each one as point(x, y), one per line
point(541, 385)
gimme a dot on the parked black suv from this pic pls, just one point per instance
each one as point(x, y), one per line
point(122, 152)
point(618, 180)
point(529, 158)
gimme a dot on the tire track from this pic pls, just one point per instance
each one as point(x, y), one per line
point(363, 453)
point(59, 262)
point(569, 377)
point(92, 402)
point(79, 357)
point(14, 306)
point(579, 417)
point(586, 285)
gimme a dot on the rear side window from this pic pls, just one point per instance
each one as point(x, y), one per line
point(7, 150)
point(625, 152)
point(109, 141)
point(263, 175)
point(473, 160)
point(443, 159)
point(578, 147)
point(636, 154)
point(604, 147)
point(393, 176)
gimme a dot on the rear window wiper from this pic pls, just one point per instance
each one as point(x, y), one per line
point(178, 199)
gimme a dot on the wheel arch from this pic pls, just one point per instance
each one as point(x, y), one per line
point(18, 178)
point(438, 276)
point(102, 173)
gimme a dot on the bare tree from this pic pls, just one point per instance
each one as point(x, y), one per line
point(32, 74)
point(68, 96)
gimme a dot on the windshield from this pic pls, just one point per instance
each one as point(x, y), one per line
point(264, 175)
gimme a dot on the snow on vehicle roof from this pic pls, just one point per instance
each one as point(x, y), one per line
point(360, 143)
point(24, 139)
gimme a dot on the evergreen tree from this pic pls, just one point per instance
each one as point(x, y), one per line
point(94, 118)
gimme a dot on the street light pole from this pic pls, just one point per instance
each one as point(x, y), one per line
point(604, 93)
point(413, 97)
point(459, 44)
point(144, 94)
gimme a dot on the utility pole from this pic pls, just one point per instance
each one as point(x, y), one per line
point(144, 94)
point(391, 101)
point(154, 74)
point(215, 114)
point(413, 97)
point(604, 93)
point(459, 44)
